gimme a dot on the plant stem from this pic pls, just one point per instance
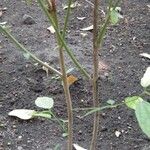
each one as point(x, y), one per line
point(103, 29)
point(67, 17)
point(95, 77)
point(68, 99)
point(64, 79)
point(144, 93)
point(59, 122)
point(78, 65)
point(99, 108)
point(147, 93)
point(24, 50)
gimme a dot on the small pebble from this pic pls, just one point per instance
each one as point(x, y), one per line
point(28, 20)
point(80, 132)
point(19, 137)
point(117, 133)
point(20, 148)
point(9, 143)
point(14, 126)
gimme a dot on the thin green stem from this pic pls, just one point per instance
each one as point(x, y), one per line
point(99, 108)
point(144, 93)
point(67, 17)
point(103, 29)
point(78, 65)
point(58, 121)
point(147, 93)
point(24, 50)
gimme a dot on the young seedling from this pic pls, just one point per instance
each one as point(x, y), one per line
point(137, 103)
point(45, 103)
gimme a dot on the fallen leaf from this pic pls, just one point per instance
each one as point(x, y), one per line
point(73, 5)
point(3, 9)
point(145, 55)
point(81, 18)
point(89, 28)
point(77, 147)
point(148, 6)
point(3, 23)
point(71, 79)
point(83, 34)
point(51, 29)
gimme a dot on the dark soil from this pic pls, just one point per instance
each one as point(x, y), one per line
point(21, 82)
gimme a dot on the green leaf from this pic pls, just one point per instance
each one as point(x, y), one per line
point(64, 121)
point(64, 134)
point(26, 55)
point(145, 81)
point(142, 112)
point(44, 102)
point(70, 70)
point(111, 102)
point(114, 17)
point(3, 27)
point(43, 114)
point(57, 147)
point(132, 102)
point(24, 114)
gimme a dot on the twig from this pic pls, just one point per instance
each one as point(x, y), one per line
point(23, 49)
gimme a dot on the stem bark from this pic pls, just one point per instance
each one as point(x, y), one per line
point(95, 77)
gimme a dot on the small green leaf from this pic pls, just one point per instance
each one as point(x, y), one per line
point(132, 102)
point(64, 121)
point(114, 17)
point(69, 70)
point(111, 102)
point(64, 134)
point(43, 114)
point(142, 112)
point(24, 114)
point(4, 27)
point(44, 102)
point(26, 55)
